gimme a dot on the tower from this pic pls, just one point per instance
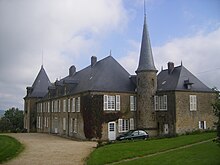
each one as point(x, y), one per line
point(34, 93)
point(146, 86)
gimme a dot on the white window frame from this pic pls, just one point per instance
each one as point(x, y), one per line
point(131, 124)
point(160, 103)
point(132, 103)
point(123, 125)
point(64, 123)
point(111, 103)
point(192, 102)
point(68, 105)
point(73, 105)
point(64, 105)
point(117, 102)
point(202, 126)
point(77, 103)
point(48, 106)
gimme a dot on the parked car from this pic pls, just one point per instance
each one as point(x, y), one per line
point(134, 134)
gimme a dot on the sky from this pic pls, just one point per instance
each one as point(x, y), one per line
point(62, 33)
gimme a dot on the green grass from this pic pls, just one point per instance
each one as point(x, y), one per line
point(202, 154)
point(119, 151)
point(9, 148)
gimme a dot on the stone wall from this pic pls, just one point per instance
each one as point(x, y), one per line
point(168, 116)
point(188, 121)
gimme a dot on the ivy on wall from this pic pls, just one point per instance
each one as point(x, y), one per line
point(94, 116)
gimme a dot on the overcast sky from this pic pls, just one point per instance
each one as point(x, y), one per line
point(69, 32)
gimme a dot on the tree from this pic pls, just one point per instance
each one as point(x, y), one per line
point(12, 121)
point(216, 107)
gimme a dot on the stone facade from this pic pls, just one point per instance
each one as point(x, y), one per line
point(188, 121)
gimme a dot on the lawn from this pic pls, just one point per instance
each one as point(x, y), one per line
point(9, 148)
point(203, 154)
point(124, 150)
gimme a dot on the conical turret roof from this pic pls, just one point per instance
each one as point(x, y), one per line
point(146, 61)
point(41, 84)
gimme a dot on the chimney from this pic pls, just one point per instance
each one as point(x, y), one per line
point(72, 70)
point(29, 90)
point(170, 67)
point(93, 60)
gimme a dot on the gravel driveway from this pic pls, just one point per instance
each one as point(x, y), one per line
point(44, 149)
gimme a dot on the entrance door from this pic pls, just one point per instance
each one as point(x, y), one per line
point(111, 130)
point(166, 128)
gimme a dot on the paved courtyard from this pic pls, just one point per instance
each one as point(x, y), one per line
point(44, 149)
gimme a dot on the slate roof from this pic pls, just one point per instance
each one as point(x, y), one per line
point(105, 75)
point(146, 61)
point(178, 80)
point(40, 85)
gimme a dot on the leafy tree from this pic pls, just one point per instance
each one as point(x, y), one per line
point(12, 121)
point(216, 107)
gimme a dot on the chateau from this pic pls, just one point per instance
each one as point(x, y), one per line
point(103, 100)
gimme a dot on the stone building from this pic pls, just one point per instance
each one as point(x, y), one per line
point(103, 100)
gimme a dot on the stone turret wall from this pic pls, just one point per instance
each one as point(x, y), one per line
point(146, 89)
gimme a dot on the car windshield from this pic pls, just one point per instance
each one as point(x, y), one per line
point(128, 133)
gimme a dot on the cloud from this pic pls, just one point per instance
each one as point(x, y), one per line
point(199, 53)
point(65, 30)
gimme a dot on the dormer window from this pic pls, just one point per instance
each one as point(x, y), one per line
point(188, 84)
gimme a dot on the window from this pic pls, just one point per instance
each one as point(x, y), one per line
point(193, 102)
point(55, 106)
point(77, 103)
point(47, 125)
point(75, 125)
point(73, 105)
point(48, 107)
point(68, 105)
point(64, 123)
point(160, 103)
point(58, 102)
point(132, 103)
point(131, 124)
point(64, 105)
point(123, 125)
point(112, 103)
point(202, 124)
point(52, 106)
point(45, 121)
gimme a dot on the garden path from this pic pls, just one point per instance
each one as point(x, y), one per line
point(45, 149)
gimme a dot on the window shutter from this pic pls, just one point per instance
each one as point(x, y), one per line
point(105, 102)
point(64, 123)
point(200, 125)
point(64, 105)
point(78, 105)
point(156, 103)
point(131, 124)
point(165, 102)
point(204, 124)
point(73, 105)
point(195, 103)
point(68, 105)
point(120, 125)
point(75, 125)
point(117, 102)
point(131, 103)
point(71, 125)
